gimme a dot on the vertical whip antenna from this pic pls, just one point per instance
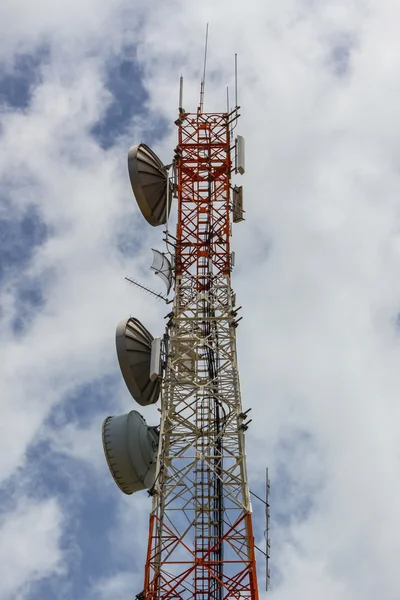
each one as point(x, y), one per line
point(181, 94)
point(203, 81)
point(236, 83)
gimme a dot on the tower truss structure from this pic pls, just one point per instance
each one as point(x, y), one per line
point(201, 543)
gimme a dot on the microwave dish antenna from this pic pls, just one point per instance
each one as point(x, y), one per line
point(133, 343)
point(130, 448)
point(150, 184)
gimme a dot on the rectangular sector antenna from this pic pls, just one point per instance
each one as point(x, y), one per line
point(155, 359)
point(237, 204)
point(240, 167)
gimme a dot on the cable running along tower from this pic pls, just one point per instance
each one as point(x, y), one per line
point(200, 543)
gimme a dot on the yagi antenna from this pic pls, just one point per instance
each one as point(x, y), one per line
point(203, 81)
point(148, 290)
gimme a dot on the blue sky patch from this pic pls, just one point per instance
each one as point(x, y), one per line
point(19, 236)
point(293, 494)
point(18, 82)
point(124, 82)
point(29, 299)
point(84, 401)
point(85, 500)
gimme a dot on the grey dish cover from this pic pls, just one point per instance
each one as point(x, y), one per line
point(133, 343)
point(150, 184)
point(130, 447)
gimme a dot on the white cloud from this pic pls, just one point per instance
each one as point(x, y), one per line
point(29, 546)
point(115, 587)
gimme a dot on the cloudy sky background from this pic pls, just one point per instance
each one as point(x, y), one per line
point(318, 275)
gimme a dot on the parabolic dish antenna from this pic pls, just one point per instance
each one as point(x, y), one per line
point(163, 268)
point(133, 343)
point(150, 184)
point(130, 447)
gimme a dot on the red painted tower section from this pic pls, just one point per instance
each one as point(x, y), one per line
point(201, 543)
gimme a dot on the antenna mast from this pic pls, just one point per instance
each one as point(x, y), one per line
point(236, 83)
point(203, 80)
point(181, 94)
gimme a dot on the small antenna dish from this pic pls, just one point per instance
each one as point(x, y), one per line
point(133, 343)
point(130, 448)
point(163, 268)
point(150, 184)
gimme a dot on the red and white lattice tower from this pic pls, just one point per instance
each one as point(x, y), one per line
point(201, 543)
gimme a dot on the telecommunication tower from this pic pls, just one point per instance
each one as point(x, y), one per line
point(201, 543)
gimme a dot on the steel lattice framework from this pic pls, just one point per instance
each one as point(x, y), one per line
point(201, 542)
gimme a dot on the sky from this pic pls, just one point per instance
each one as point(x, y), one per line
point(317, 273)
